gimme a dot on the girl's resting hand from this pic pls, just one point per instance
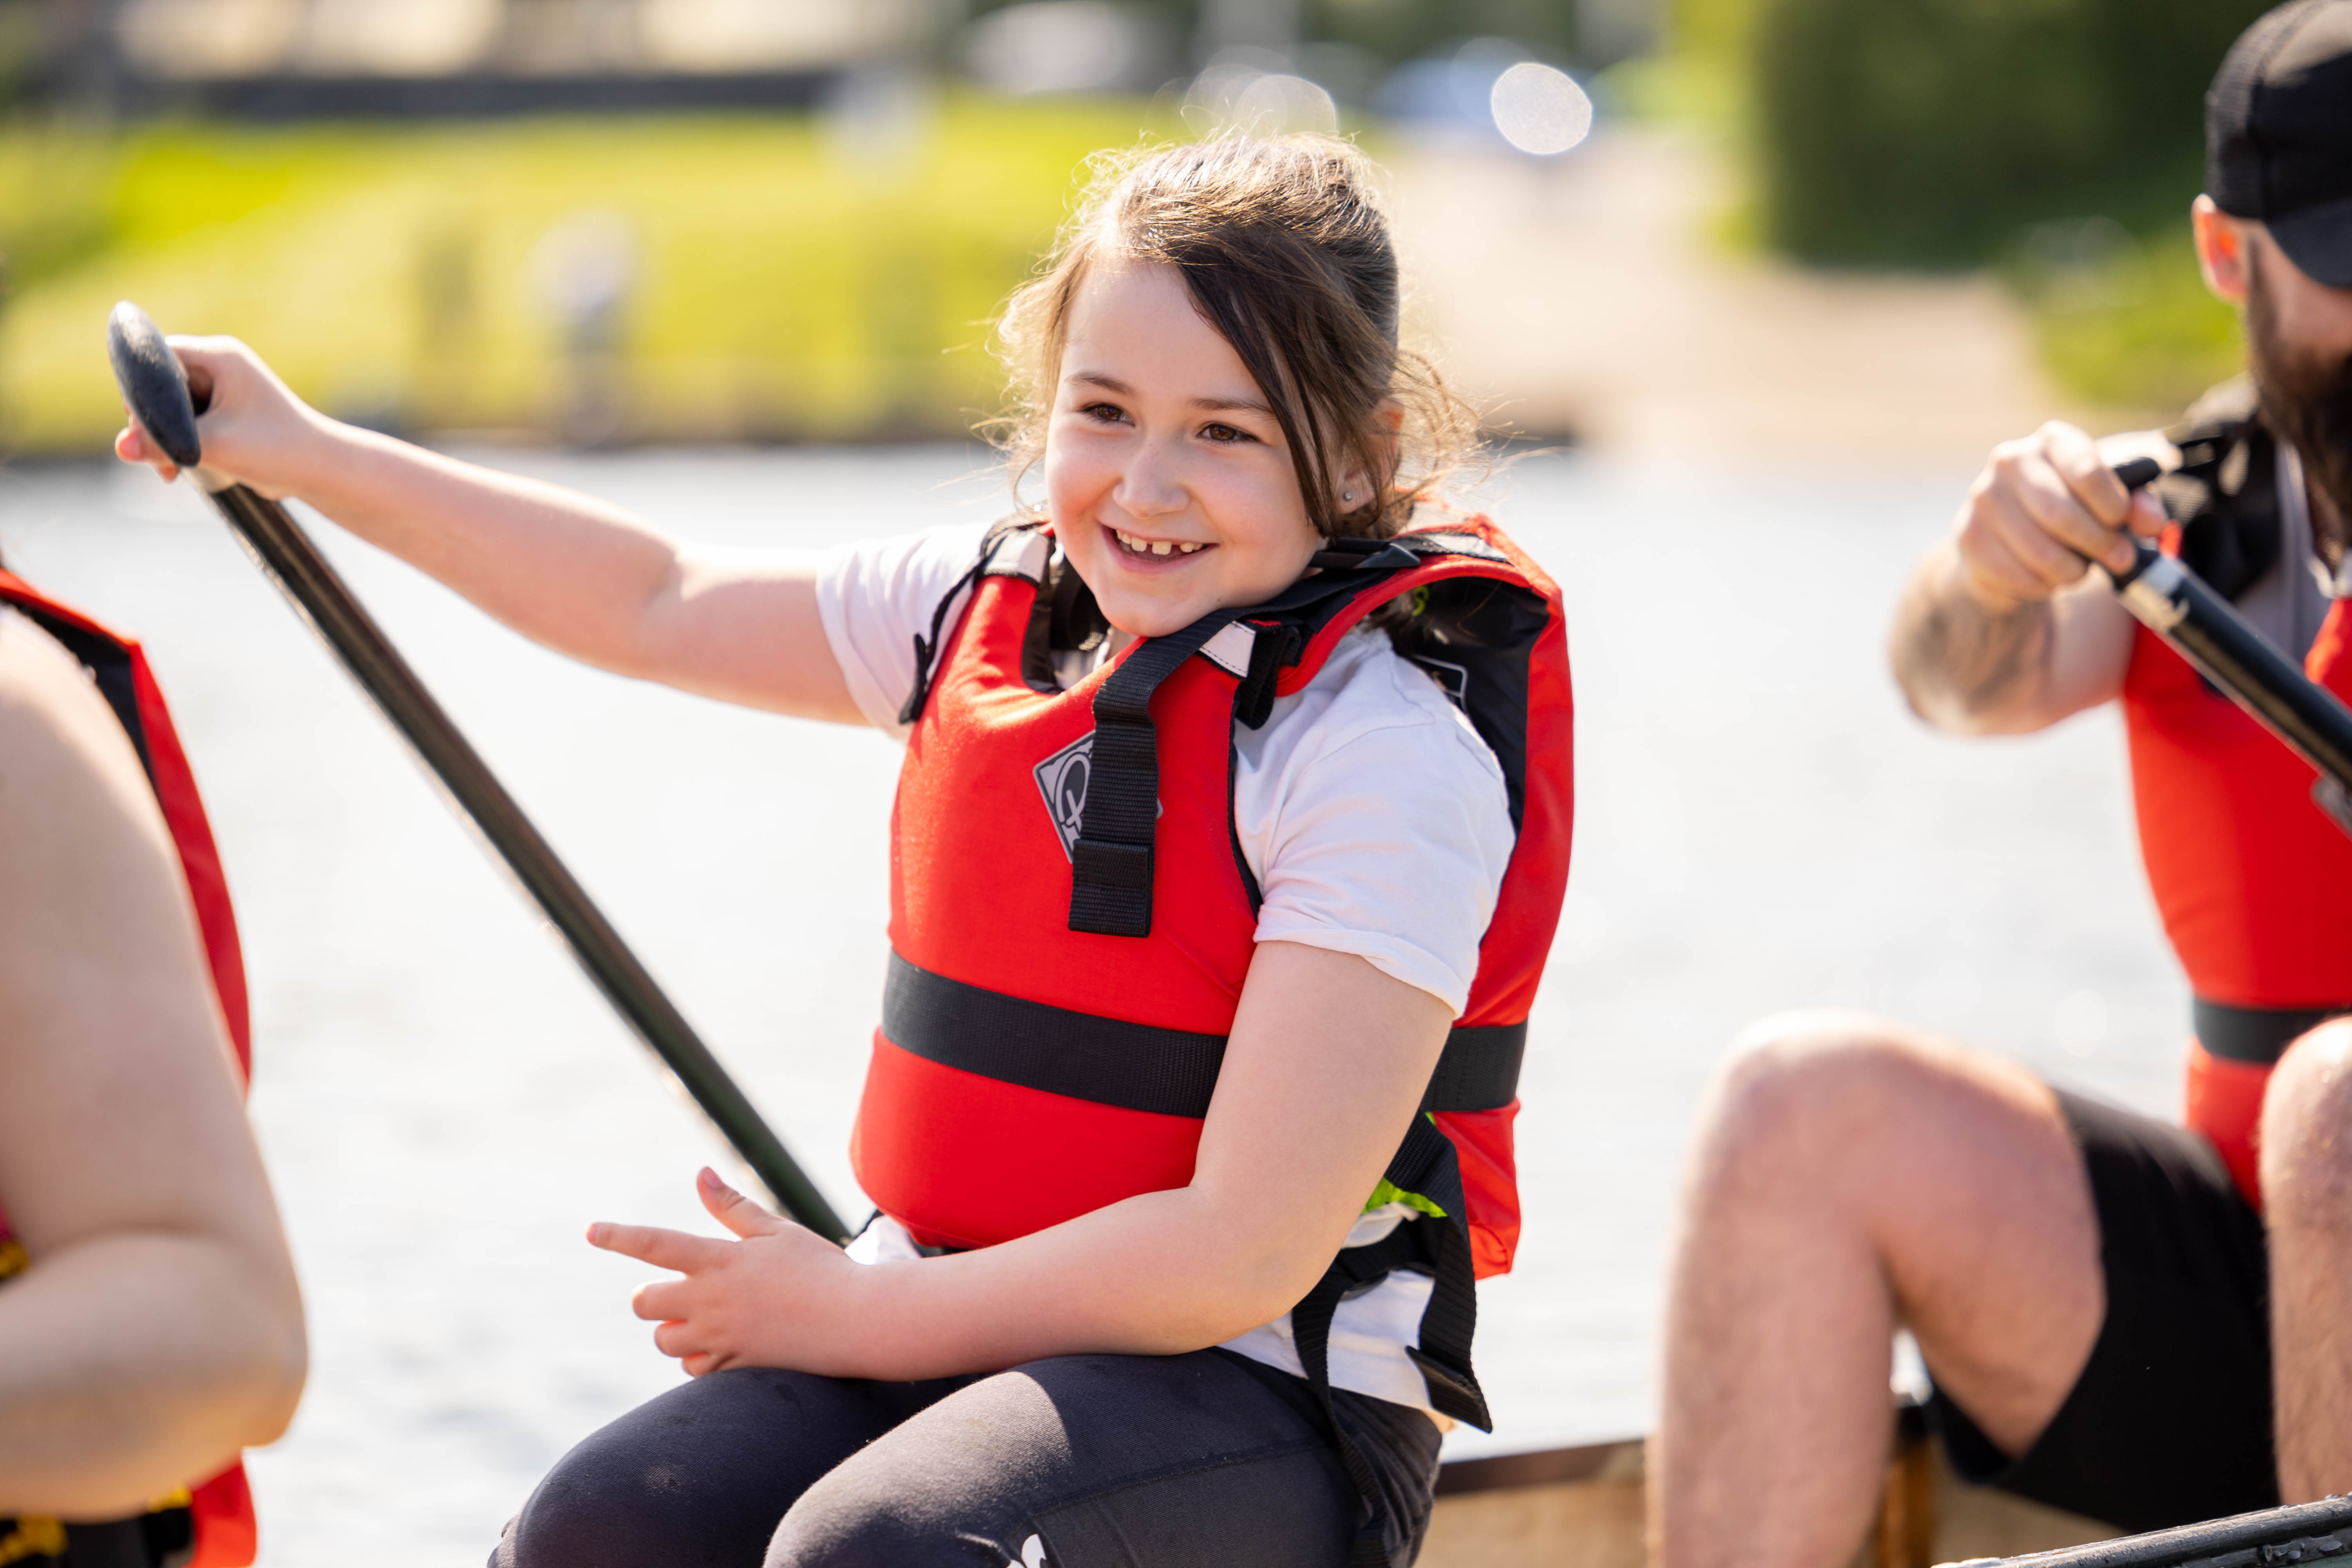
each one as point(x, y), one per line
point(781, 1296)
point(254, 429)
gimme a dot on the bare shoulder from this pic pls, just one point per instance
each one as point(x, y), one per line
point(67, 771)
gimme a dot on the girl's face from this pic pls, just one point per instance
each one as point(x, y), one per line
point(1169, 482)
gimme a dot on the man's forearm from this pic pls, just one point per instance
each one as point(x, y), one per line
point(1965, 667)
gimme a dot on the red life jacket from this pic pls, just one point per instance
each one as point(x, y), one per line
point(219, 1525)
point(1071, 920)
point(2252, 879)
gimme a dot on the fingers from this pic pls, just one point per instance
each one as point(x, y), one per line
point(732, 1210)
point(207, 361)
point(681, 1341)
point(662, 1248)
point(2042, 508)
point(2062, 485)
point(130, 445)
point(663, 1300)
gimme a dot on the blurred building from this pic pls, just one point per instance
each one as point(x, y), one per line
point(272, 58)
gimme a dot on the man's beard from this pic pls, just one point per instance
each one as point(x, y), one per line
point(2306, 401)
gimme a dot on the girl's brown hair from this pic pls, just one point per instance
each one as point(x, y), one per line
point(1287, 252)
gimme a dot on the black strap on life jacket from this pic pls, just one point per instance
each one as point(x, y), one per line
point(1425, 1164)
point(2256, 1035)
point(1111, 863)
point(1138, 1066)
point(927, 648)
point(108, 664)
point(2224, 495)
point(1111, 868)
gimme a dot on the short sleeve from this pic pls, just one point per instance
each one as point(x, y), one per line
point(1379, 825)
point(875, 596)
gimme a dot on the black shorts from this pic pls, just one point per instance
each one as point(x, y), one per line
point(2170, 1421)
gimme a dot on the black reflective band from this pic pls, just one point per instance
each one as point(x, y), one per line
point(1056, 1049)
point(2257, 1034)
point(1137, 1066)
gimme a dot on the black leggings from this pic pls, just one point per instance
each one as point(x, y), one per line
point(1089, 1461)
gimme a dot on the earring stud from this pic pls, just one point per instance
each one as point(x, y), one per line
point(1346, 495)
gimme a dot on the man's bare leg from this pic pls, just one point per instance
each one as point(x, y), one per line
point(1851, 1176)
point(2307, 1188)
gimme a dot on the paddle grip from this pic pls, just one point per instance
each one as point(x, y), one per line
point(154, 386)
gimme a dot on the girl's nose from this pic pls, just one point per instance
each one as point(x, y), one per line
point(1152, 484)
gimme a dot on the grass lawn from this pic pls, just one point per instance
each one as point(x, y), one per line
point(789, 281)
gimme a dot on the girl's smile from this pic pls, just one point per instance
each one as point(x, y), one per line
point(1170, 485)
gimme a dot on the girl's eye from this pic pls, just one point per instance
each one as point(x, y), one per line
point(1107, 413)
point(1225, 433)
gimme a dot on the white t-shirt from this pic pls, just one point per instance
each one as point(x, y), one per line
point(1373, 816)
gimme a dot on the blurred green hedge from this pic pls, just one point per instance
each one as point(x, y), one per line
point(2059, 139)
point(1928, 132)
point(795, 279)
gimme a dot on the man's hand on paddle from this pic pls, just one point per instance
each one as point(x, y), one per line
point(254, 429)
point(764, 1300)
point(2044, 509)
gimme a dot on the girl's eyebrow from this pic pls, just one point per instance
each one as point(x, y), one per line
point(1212, 405)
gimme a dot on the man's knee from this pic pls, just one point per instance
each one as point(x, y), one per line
point(1804, 1093)
point(2306, 1156)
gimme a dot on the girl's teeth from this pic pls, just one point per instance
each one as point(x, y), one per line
point(1154, 546)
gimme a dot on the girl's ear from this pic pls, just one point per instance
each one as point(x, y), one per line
point(1356, 485)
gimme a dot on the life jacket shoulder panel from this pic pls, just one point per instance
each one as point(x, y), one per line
point(219, 1515)
point(964, 1135)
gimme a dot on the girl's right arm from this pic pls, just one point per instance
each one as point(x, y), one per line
point(580, 576)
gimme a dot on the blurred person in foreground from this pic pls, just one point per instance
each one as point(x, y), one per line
point(150, 1323)
point(2105, 1302)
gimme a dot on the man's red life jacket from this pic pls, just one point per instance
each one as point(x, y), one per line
point(2252, 879)
point(216, 1517)
point(1071, 920)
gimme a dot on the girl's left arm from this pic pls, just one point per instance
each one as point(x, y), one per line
point(1322, 1075)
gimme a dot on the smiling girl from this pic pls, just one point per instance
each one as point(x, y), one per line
point(1230, 836)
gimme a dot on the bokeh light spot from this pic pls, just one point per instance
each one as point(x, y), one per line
point(1540, 110)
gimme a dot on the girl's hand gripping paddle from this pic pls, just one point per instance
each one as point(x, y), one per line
point(155, 389)
point(2206, 629)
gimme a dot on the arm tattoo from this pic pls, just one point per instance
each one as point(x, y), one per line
point(1957, 662)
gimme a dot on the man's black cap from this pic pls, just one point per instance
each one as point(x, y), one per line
point(2278, 133)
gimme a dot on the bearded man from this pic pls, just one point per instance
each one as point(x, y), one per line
point(2142, 1322)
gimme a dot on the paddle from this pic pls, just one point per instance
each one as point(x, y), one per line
point(2305, 1532)
point(2203, 627)
point(155, 389)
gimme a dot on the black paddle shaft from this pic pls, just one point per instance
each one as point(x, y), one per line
point(156, 390)
point(2182, 608)
point(2308, 1532)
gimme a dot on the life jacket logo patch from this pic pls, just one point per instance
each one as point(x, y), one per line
point(1062, 780)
